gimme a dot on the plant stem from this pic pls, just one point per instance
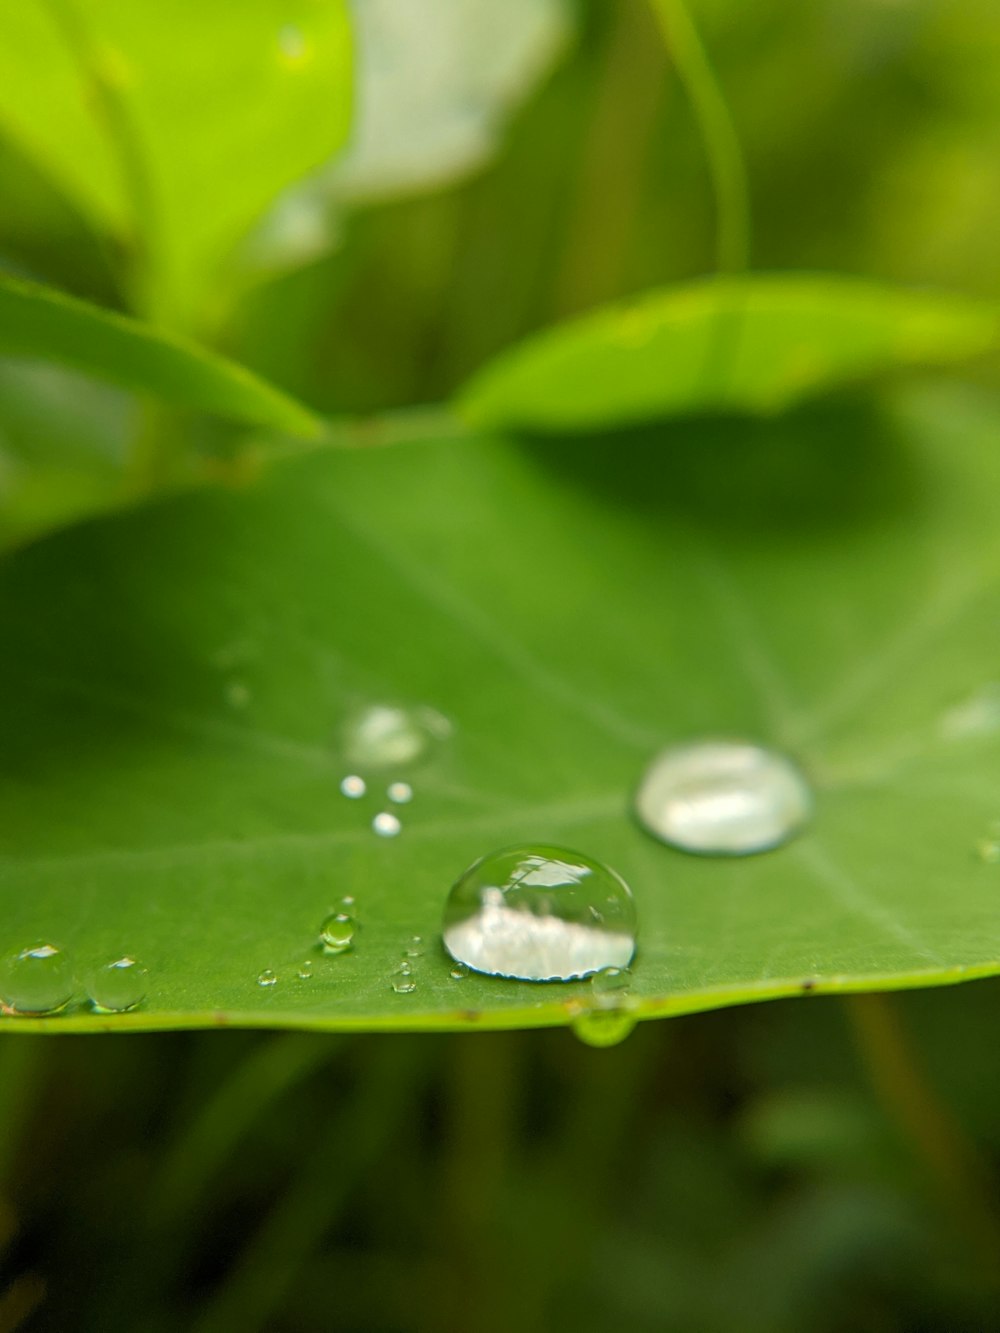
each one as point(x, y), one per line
point(718, 133)
point(952, 1162)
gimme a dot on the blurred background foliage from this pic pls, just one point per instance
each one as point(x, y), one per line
point(742, 1170)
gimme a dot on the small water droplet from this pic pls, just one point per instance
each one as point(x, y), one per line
point(525, 912)
point(291, 43)
point(238, 694)
point(118, 986)
point(400, 793)
point(723, 798)
point(37, 980)
point(404, 984)
point(353, 787)
point(304, 970)
point(386, 824)
point(405, 968)
point(267, 978)
point(337, 932)
point(415, 947)
point(988, 850)
point(607, 1017)
point(459, 972)
point(386, 735)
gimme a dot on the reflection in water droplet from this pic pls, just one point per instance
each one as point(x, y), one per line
point(337, 932)
point(353, 786)
point(385, 735)
point(304, 970)
point(36, 980)
point(540, 913)
point(726, 798)
point(401, 793)
point(266, 978)
point(607, 1018)
point(386, 825)
point(118, 986)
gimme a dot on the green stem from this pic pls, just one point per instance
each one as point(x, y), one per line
point(718, 133)
point(951, 1161)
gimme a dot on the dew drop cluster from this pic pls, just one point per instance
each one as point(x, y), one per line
point(40, 979)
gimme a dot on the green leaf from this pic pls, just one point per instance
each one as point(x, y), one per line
point(174, 127)
point(38, 323)
point(828, 583)
point(754, 344)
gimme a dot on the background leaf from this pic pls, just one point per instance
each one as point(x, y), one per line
point(827, 583)
point(175, 128)
point(36, 322)
point(753, 344)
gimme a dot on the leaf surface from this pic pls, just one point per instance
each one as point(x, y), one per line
point(753, 344)
point(828, 584)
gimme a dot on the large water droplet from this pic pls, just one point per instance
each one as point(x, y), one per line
point(540, 913)
point(383, 735)
point(37, 980)
point(607, 1018)
point(718, 797)
point(118, 986)
point(337, 932)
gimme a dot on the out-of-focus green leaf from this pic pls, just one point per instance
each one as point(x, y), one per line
point(753, 344)
point(175, 126)
point(435, 87)
point(828, 582)
point(37, 323)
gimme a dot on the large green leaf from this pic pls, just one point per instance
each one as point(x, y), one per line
point(754, 344)
point(830, 583)
point(176, 125)
point(38, 323)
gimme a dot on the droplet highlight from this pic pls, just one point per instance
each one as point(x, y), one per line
point(267, 978)
point(37, 980)
point(387, 735)
point(400, 793)
point(118, 986)
point(353, 787)
point(723, 798)
point(540, 913)
point(337, 932)
point(386, 824)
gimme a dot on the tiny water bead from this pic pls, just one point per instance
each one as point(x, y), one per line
point(386, 824)
point(267, 978)
point(400, 793)
point(353, 787)
point(37, 980)
point(722, 798)
point(459, 972)
point(402, 981)
point(415, 947)
point(337, 932)
point(607, 1017)
point(304, 970)
point(118, 986)
point(540, 913)
point(384, 735)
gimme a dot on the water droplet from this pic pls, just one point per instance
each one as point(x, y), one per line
point(337, 932)
point(405, 968)
point(724, 798)
point(525, 912)
point(353, 787)
point(607, 1018)
point(403, 984)
point(384, 735)
point(238, 694)
point(267, 978)
point(118, 986)
point(415, 947)
point(989, 850)
point(291, 43)
point(37, 980)
point(459, 972)
point(386, 825)
point(304, 970)
point(401, 793)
